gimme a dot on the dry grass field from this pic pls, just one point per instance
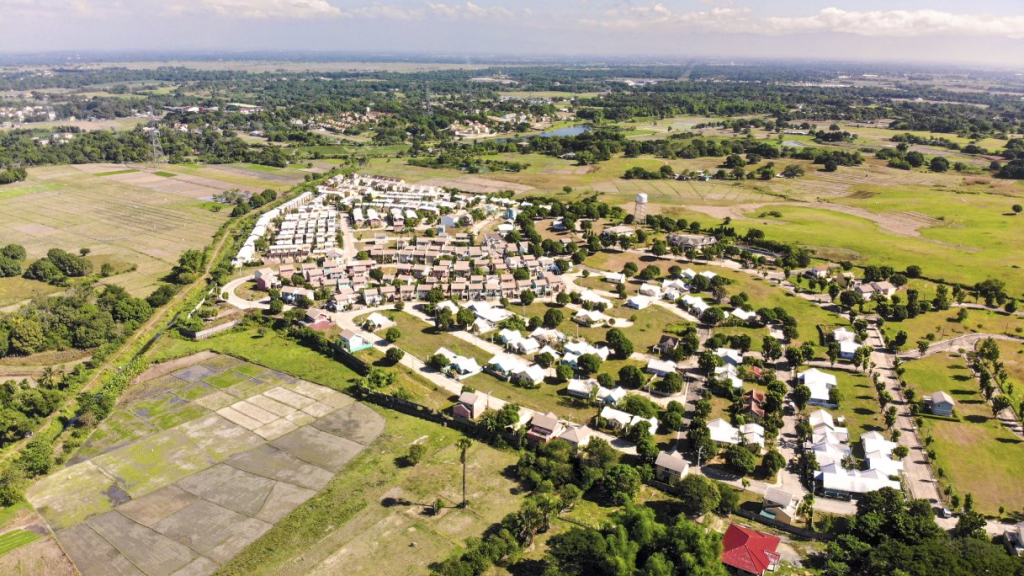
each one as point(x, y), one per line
point(131, 219)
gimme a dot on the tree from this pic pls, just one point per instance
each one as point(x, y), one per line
point(394, 355)
point(463, 445)
point(588, 364)
point(740, 458)
point(772, 462)
point(801, 396)
point(563, 372)
point(835, 397)
point(553, 318)
point(699, 494)
point(618, 342)
point(1017, 208)
point(527, 297)
point(416, 453)
point(672, 383)
point(771, 349)
point(631, 377)
point(970, 525)
point(939, 164)
point(563, 298)
point(622, 484)
point(465, 317)
point(712, 316)
point(392, 334)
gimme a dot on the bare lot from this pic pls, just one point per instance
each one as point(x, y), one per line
point(207, 461)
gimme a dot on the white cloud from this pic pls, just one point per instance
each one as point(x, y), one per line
point(894, 23)
point(467, 10)
point(902, 23)
point(259, 9)
point(633, 17)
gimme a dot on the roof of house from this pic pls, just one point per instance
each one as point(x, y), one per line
point(940, 397)
point(749, 550)
point(468, 398)
point(673, 461)
point(779, 498)
point(546, 421)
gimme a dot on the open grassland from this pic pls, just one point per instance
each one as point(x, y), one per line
point(977, 454)
point(943, 325)
point(128, 225)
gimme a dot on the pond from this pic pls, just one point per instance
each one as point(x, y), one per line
point(564, 131)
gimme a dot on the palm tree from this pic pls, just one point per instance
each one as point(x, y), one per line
point(464, 444)
point(47, 377)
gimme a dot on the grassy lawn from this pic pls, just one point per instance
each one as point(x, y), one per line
point(270, 350)
point(977, 454)
point(860, 404)
point(165, 174)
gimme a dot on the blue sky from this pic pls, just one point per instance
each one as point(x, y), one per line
point(980, 31)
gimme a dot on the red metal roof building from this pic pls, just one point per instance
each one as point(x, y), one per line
point(748, 551)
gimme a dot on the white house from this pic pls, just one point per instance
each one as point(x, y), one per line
point(592, 297)
point(615, 277)
point(638, 303)
point(671, 467)
point(660, 367)
point(942, 404)
point(819, 384)
point(651, 290)
point(730, 356)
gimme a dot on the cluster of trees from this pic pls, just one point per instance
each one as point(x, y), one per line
point(890, 535)
point(80, 319)
point(244, 206)
point(57, 266)
point(11, 175)
point(637, 543)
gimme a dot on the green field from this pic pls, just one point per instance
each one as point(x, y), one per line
point(977, 454)
point(16, 539)
point(116, 172)
point(165, 174)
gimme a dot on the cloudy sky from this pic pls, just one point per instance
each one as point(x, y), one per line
point(980, 31)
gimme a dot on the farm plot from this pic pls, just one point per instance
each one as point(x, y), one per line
point(127, 225)
point(186, 476)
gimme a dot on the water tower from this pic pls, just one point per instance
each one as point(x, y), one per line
point(640, 213)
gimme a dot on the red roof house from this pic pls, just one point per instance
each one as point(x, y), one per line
point(748, 551)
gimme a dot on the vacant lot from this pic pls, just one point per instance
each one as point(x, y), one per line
point(124, 224)
point(977, 454)
point(201, 463)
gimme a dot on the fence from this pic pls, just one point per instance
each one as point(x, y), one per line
point(803, 533)
point(204, 334)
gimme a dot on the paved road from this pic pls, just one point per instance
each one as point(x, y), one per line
point(916, 468)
